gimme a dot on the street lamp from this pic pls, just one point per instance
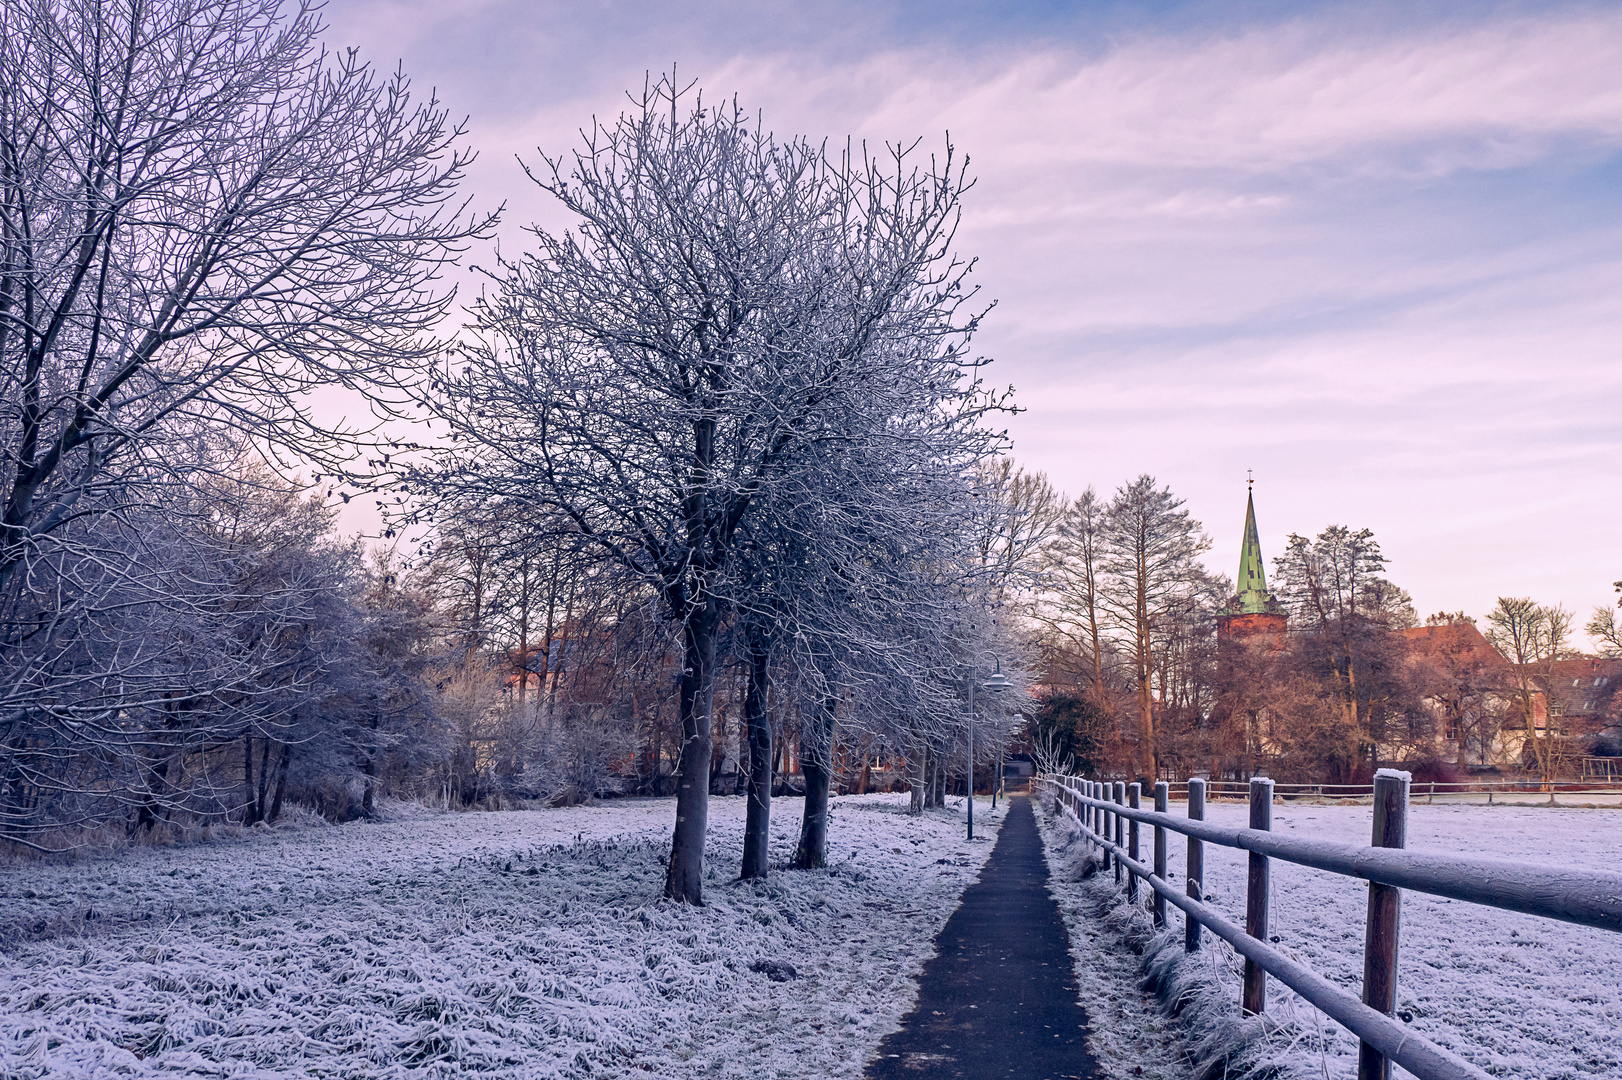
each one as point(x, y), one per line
point(996, 683)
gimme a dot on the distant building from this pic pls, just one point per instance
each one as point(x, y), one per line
point(1472, 694)
point(1475, 695)
point(1252, 611)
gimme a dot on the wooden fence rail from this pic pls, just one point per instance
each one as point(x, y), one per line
point(1239, 790)
point(1101, 809)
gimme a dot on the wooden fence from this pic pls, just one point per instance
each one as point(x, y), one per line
point(1109, 816)
point(1488, 789)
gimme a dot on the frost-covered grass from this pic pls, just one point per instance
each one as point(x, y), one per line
point(1128, 1032)
point(527, 944)
point(1518, 995)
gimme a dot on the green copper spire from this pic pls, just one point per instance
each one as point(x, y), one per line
point(1253, 597)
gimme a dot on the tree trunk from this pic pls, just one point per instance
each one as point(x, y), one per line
point(247, 780)
point(996, 776)
point(758, 816)
point(523, 635)
point(156, 775)
point(1100, 696)
point(543, 692)
point(1146, 712)
point(777, 765)
point(281, 784)
point(816, 764)
point(368, 799)
point(264, 780)
point(915, 777)
point(684, 880)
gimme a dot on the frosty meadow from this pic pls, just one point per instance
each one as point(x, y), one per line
point(529, 944)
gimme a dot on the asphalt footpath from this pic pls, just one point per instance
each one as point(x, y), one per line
point(998, 1001)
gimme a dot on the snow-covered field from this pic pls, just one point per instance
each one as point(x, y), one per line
point(524, 944)
point(1519, 995)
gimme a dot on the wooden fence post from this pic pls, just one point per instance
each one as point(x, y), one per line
point(1385, 917)
point(1101, 792)
point(1256, 895)
point(1120, 825)
point(1097, 817)
point(1134, 799)
point(1162, 795)
point(1195, 873)
point(1108, 795)
point(1084, 813)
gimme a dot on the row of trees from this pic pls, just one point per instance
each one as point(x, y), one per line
point(740, 392)
point(1140, 681)
point(726, 432)
point(203, 219)
point(709, 483)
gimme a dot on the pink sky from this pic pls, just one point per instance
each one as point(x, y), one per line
point(1372, 253)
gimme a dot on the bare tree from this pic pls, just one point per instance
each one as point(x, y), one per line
point(1020, 516)
point(1344, 613)
point(1049, 755)
point(728, 303)
point(1606, 629)
point(1534, 637)
point(1150, 544)
point(846, 570)
point(1071, 612)
point(204, 217)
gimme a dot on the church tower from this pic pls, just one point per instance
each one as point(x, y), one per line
point(1253, 610)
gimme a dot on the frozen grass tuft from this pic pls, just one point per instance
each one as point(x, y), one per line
point(1185, 1004)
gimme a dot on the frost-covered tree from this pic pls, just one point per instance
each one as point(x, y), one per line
point(1019, 517)
point(725, 304)
point(240, 646)
point(845, 570)
point(204, 218)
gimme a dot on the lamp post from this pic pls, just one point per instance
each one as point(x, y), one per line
point(996, 683)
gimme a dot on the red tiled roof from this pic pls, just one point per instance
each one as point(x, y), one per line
point(1458, 639)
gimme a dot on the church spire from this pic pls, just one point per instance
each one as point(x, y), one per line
point(1252, 608)
point(1252, 580)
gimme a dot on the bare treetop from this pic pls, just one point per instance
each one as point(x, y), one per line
point(203, 215)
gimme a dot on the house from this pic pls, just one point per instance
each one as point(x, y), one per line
point(1472, 694)
point(1476, 698)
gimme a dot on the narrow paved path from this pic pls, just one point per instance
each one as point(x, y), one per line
point(998, 1001)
